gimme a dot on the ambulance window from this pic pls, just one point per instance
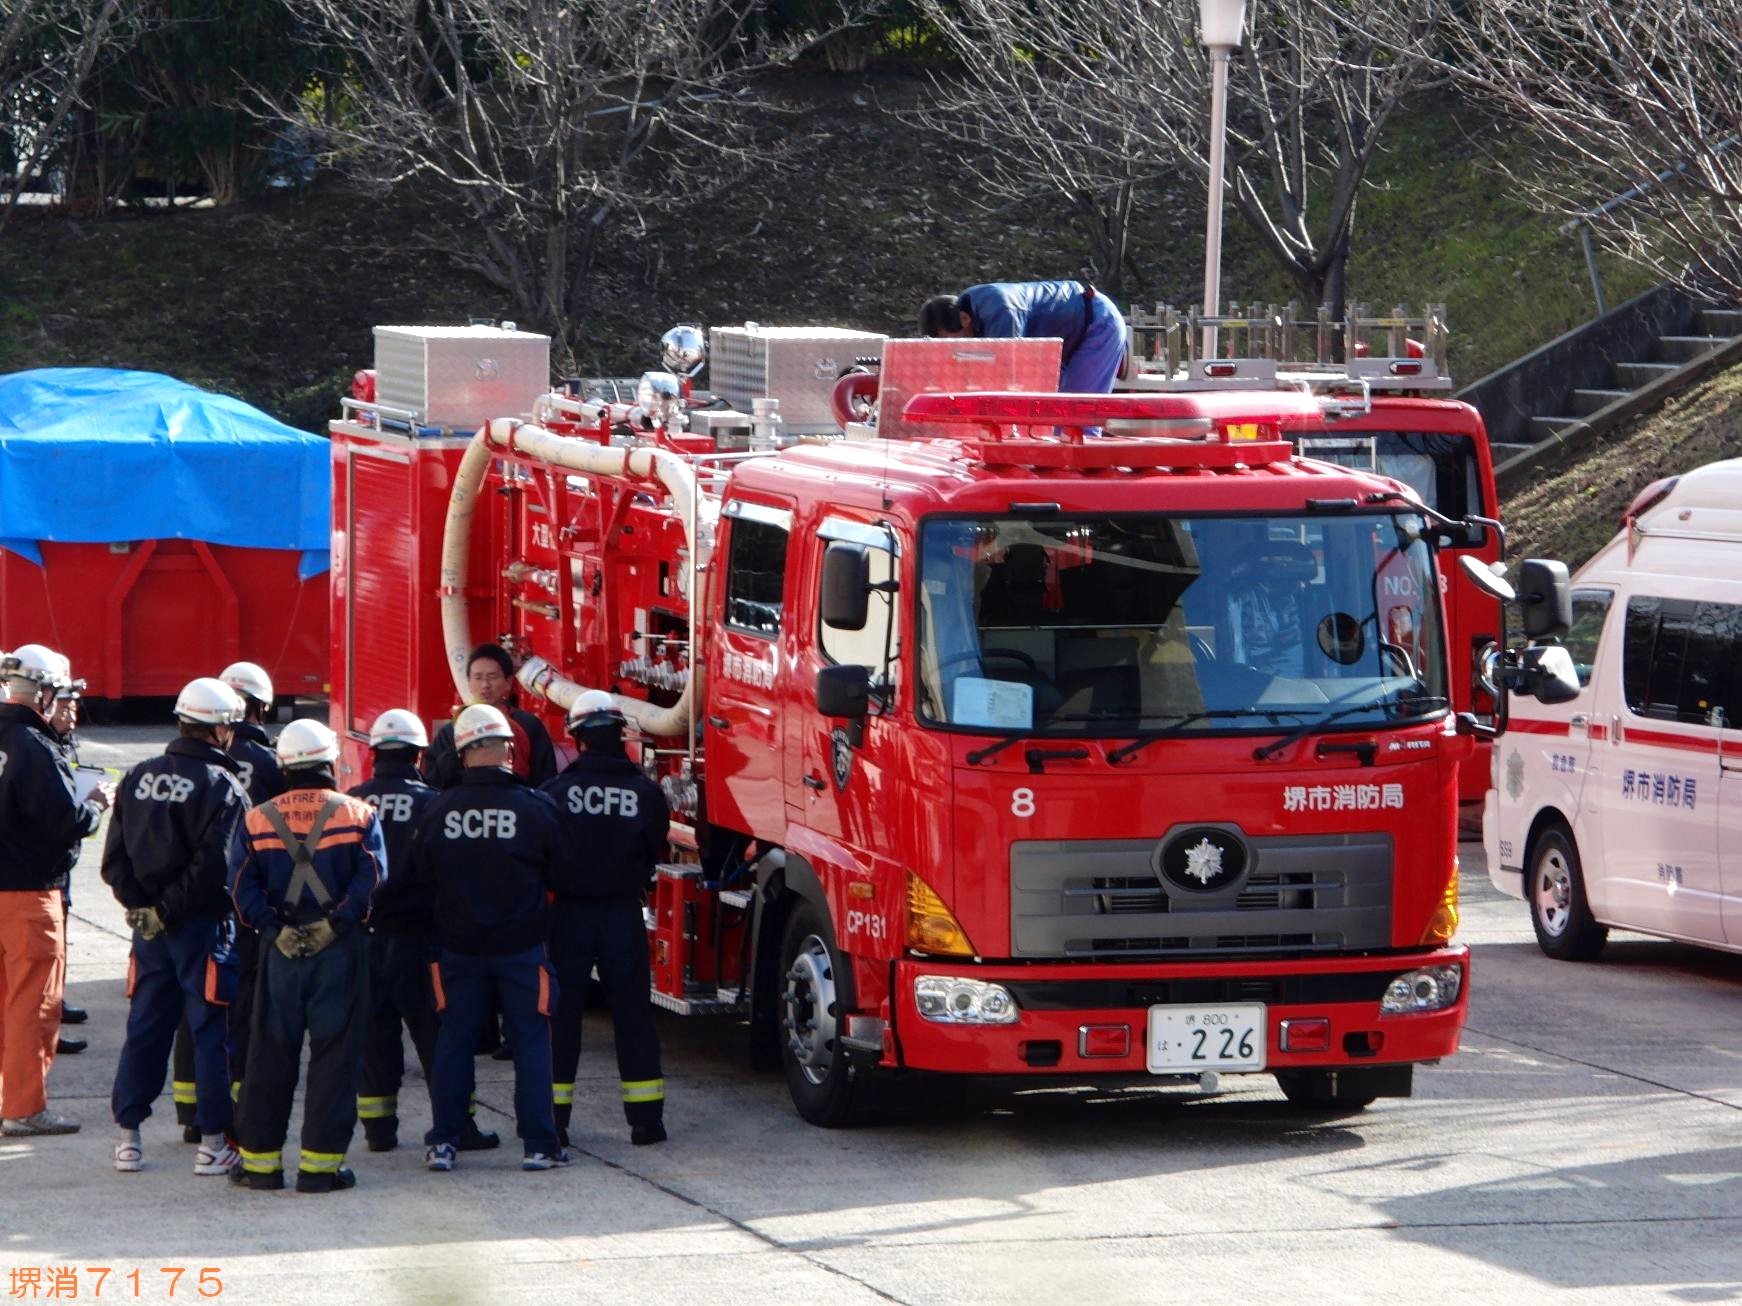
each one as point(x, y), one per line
point(1675, 656)
point(1589, 609)
point(756, 577)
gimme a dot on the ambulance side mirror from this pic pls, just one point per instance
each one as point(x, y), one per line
point(1545, 599)
point(844, 691)
point(846, 600)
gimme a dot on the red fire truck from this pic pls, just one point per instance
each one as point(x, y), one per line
point(993, 750)
point(1385, 379)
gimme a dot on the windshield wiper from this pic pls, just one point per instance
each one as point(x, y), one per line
point(1306, 728)
point(1148, 737)
point(979, 755)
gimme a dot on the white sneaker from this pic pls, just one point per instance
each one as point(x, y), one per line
point(43, 1122)
point(129, 1157)
point(218, 1160)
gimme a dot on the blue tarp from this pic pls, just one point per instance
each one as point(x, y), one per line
point(89, 455)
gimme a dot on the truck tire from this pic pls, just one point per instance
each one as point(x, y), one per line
point(817, 1071)
point(1554, 885)
point(1332, 1090)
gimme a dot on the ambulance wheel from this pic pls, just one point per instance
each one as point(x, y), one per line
point(1554, 885)
point(817, 1072)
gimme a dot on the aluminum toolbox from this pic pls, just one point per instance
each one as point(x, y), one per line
point(460, 377)
point(796, 365)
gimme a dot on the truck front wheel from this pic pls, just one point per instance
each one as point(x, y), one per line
point(812, 1021)
point(1332, 1089)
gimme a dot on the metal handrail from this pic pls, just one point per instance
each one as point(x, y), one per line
point(1582, 223)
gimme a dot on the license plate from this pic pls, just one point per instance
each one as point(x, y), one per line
point(1191, 1039)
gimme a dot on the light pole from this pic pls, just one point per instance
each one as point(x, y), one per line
point(1220, 23)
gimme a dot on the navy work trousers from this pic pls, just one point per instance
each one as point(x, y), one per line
point(188, 973)
point(399, 996)
point(607, 933)
point(523, 985)
point(324, 998)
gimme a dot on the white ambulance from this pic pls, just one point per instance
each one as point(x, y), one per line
point(1623, 807)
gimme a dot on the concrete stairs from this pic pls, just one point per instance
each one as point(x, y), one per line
point(1667, 356)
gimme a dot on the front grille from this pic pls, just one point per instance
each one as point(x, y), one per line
point(1089, 898)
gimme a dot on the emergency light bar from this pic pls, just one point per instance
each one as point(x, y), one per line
point(1244, 427)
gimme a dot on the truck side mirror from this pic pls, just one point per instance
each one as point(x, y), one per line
point(1548, 673)
point(844, 691)
point(1545, 599)
point(846, 587)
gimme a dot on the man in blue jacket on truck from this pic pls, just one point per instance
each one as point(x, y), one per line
point(490, 847)
point(164, 859)
point(401, 937)
point(303, 869)
point(615, 821)
point(1090, 324)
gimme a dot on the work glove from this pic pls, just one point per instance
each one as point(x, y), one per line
point(317, 936)
point(289, 942)
point(146, 922)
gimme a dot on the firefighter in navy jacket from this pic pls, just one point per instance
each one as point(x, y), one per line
point(303, 870)
point(615, 823)
point(489, 846)
point(401, 937)
point(40, 824)
point(257, 769)
point(164, 859)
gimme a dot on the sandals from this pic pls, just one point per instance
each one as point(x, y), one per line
point(129, 1158)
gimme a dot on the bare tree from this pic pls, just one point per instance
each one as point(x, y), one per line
point(1640, 102)
point(1105, 105)
point(47, 51)
point(535, 129)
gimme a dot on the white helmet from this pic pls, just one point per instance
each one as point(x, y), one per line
point(307, 743)
point(249, 679)
point(37, 663)
point(478, 724)
point(398, 728)
point(209, 702)
point(594, 709)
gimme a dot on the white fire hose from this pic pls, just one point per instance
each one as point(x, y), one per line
point(534, 442)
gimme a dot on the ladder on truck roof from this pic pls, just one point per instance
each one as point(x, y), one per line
point(1275, 347)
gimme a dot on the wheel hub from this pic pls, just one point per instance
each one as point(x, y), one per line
point(809, 1002)
point(1554, 893)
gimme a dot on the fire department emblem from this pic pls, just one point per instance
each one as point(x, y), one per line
point(841, 750)
point(1514, 775)
point(1202, 859)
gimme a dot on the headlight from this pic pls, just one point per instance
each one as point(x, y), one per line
point(1433, 988)
point(954, 1001)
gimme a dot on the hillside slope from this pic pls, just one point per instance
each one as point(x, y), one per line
point(273, 300)
point(1571, 512)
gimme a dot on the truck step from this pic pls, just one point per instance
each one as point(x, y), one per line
point(1684, 349)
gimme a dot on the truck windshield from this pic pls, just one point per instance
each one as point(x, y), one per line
point(1097, 625)
point(1441, 468)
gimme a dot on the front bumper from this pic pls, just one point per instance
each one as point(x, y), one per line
point(1057, 1000)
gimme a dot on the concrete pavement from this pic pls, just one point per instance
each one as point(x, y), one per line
point(1586, 1145)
